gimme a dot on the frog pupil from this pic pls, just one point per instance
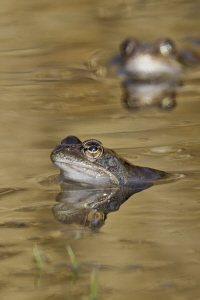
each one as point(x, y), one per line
point(92, 148)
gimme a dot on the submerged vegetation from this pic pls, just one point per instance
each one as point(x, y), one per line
point(73, 264)
point(38, 258)
point(39, 263)
point(93, 288)
point(93, 285)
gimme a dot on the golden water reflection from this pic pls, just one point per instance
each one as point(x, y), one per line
point(150, 247)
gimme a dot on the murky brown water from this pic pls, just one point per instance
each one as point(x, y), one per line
point(150, 248)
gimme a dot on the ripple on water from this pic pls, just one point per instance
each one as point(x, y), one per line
point(166, 150)
point(174, 152)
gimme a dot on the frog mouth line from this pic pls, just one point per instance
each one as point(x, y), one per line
point(73, 164)
point(86, 173)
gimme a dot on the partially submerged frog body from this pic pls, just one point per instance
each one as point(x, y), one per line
point(89, 163)
point(157, 61)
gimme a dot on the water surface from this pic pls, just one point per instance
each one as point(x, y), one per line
point(53, 84)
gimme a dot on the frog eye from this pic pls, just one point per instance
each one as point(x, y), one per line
point(128, 46)
point(92, 149)
point(167, 47)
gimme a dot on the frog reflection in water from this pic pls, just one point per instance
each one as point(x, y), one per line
point(89, 163)
point(90, 207)
point(141, 95)
point(158, 61)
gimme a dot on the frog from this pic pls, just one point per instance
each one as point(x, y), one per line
point(89, 163)
point(153, 62)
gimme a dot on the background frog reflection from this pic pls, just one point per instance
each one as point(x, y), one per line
point(140, 95)
point(90, 207)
